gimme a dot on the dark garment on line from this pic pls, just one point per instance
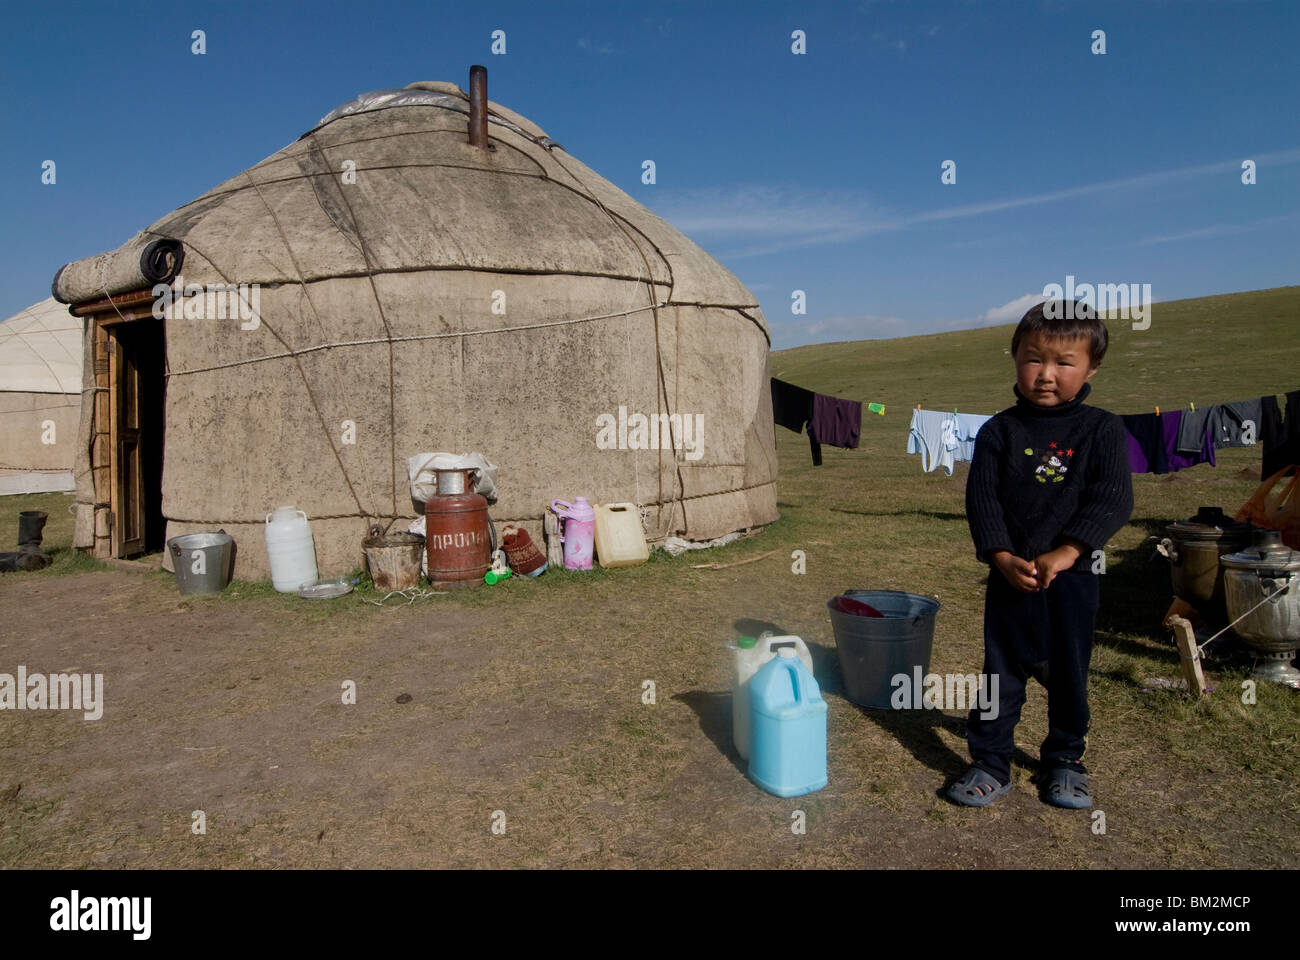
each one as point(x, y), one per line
point(1230, 430)
point(1047, 635)
point(1224, 422)
point(1175, 458)
point(1146, 443)
point(792, 407)
point(836, 422)
point(1042, 475)
point(1195, 427)
point(1281, 441)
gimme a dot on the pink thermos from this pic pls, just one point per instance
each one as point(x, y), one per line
point(578, 532)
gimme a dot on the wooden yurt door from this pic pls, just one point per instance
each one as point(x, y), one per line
point(127, 497)
point(136, 442)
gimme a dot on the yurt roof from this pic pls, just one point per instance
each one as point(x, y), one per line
point(423, 198)
point(41, 350)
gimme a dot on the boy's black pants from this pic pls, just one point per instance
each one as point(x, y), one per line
point(1047, 635)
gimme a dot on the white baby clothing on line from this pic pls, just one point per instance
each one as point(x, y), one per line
point(943, 438)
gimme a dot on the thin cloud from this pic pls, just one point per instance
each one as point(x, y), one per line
point(1008, 312)
point(584, 43)
point(784, 220)
point(1218, 230)
point(839, 327)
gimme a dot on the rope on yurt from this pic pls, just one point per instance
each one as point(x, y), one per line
point(413, 337)
point(679, 498)
point(383, 318)
point(311, 396)
point(390, 517)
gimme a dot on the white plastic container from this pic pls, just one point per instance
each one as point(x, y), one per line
point(751, 654)
point(290, 548)
point(620, 541)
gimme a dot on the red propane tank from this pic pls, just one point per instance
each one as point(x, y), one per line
point(456, 532)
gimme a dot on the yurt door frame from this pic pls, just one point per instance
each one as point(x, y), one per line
point(127, 503)
point(134, 507)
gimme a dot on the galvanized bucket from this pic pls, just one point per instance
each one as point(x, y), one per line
point(202, 561)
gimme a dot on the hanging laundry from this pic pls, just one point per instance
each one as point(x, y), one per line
point(1176, 459)
point(792, 407)
point(942, 438)
point(925, 435)
point(968, 425)
point(1281, 440)
point(833, 421)
point(1233, 430)
point(1226, 423)
point(836, 422)
point(1195, 429)
point(1146, 443)
point(1154, 443)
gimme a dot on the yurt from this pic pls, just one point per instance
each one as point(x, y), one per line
point(421, 271)
point(40, 398)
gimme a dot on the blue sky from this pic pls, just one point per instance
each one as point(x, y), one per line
point(818, 172)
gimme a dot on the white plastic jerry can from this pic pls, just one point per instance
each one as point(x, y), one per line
point(751, 654)
point(290, 548)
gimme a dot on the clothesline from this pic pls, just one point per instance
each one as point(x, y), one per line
point(1158, 443)
point(833, 421)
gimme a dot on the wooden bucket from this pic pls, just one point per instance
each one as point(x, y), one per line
point(394, 559)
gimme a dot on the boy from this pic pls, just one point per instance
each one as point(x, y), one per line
point(1049, 485)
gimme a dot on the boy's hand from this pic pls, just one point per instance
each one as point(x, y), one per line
point(1053, 562)
point(1019, 573)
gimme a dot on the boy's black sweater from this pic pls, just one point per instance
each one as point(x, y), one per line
point(1041, 475)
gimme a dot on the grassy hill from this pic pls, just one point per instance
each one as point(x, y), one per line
point(1206, 350)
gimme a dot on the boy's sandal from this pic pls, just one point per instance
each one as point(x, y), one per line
point(977, 788)
point(1067, 788)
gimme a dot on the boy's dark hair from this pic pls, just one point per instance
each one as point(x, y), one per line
point(1061, 320)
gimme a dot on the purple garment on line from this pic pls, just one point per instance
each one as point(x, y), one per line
point(836, 422)
point(1153, 443)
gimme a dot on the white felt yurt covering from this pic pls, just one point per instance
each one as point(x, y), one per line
point(40, 398)
point(417, 294)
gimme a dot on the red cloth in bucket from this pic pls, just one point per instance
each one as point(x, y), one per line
point(856, 607)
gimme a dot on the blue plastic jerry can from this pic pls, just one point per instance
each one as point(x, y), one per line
point(787, 728)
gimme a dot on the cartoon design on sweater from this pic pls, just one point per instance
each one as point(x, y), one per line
point(1054, 463)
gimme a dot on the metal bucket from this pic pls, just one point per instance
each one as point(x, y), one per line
point(202, 561)
point(394, 559)
point(873, 649)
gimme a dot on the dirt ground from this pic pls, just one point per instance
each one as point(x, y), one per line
point(234, 707)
